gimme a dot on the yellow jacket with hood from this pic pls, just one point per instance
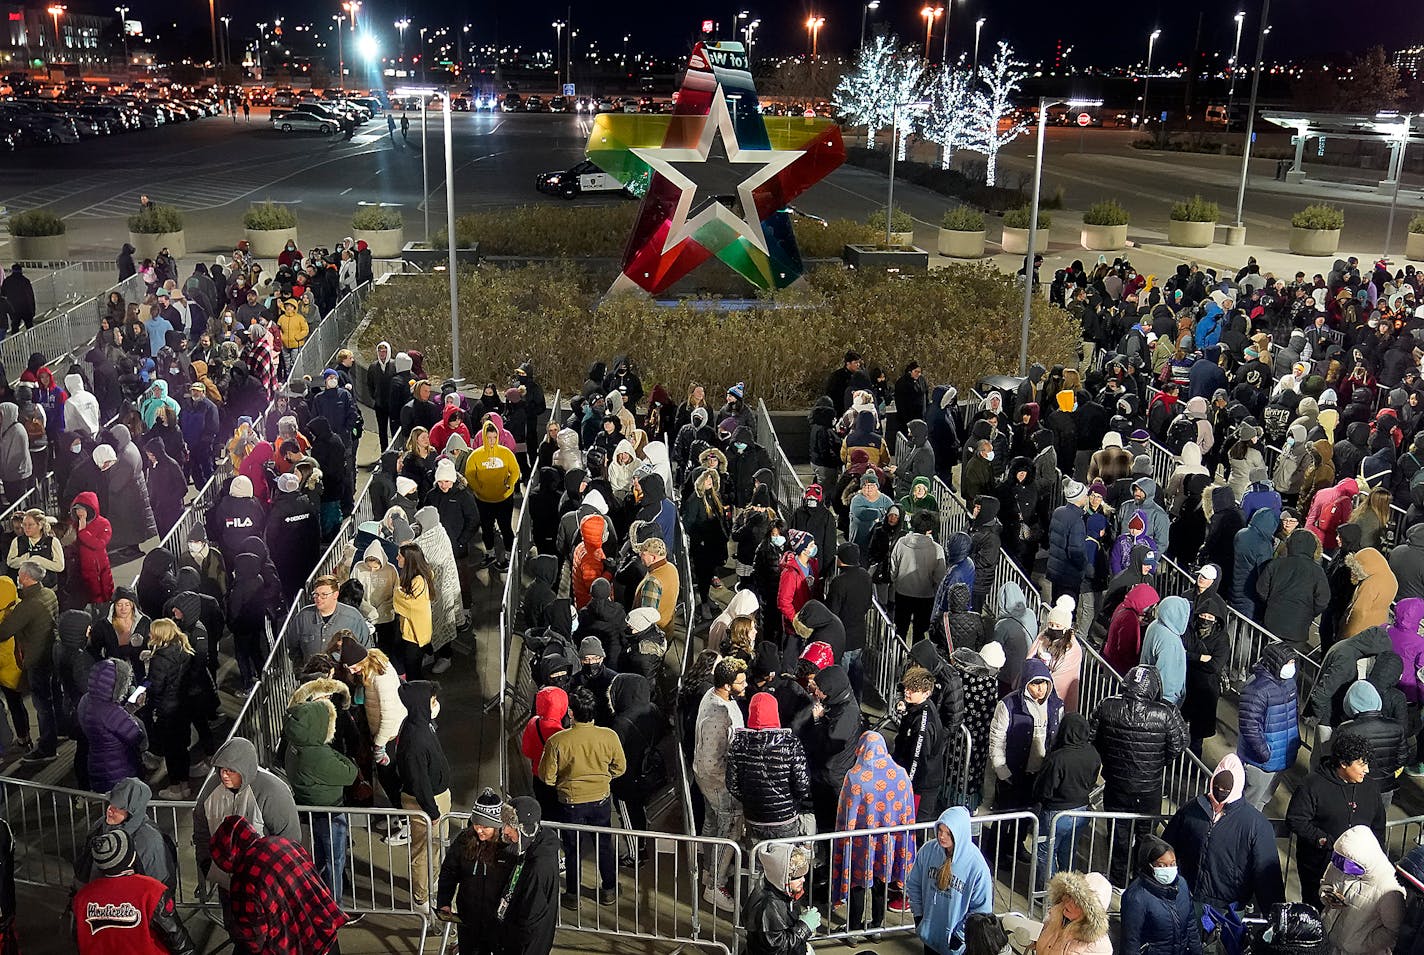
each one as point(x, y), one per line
point(491, 469)
point(294, 327)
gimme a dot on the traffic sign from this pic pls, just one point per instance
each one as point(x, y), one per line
point(568, 89)
point(1084, 119)
point(707, 26)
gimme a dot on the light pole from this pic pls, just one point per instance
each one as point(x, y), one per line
point(123, 13)
point(226, 38)
point(1406, 128)
point(1235, 52)
point(1043, 104)
point(340, 19)
point(944, 41)
point(1251, 110)
point(213, 24)
point(931, 14)
point(422, 79)
point(1147, 73)
point(864, 12)
point(978, 26)
point(401, 25)
point(261, 41)
point(56, 11)
point(813, 24)
point(558, 26)
point(749, 31)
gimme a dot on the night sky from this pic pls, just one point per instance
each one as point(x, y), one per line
point(1101, 32)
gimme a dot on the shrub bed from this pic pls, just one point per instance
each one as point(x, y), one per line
point(959, 323)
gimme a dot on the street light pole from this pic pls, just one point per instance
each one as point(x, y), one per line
point(1408, 119)
point(1240, 18)
point(814, 24)
point(213, 23)
point(931, 14)
point(978, 26)
point(864, 11)
point(1251, 109)
point(55, 11)
point(558, 26)
point(123, 13)
point(944, 41)
point(424, 161)
point(422, 69)
point(1032, 233)
point(400, 25)
point(340, 19)
point(226, 39)
point(450, 244)
point(1147, 74)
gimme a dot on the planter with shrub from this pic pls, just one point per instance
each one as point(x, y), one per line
point(1315, 230)
point(380, 227)
point(1193, 223)
point(38, 236)
point(902, 226)
point(269, 228)
point(157, 228)
point(1015, 241)
point(1104, 227)
point(1414, 244)
point(962, 233)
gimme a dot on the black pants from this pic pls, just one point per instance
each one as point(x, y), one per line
point(858, 918)
point(497, 515)
point(411, 654)
point(20, 716)
point(174, 735)
point(383, 428)
point(912, 616)
point(1126, 834)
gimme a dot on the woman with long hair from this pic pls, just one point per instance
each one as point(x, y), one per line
point(384, 714)
point(1373, 517)
point(411, 600)
point(705, 518)
point(171, 672)
point(419, 461)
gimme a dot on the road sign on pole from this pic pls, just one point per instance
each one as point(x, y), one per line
point(568, 89)
point(1084, 119)
point(708, 26)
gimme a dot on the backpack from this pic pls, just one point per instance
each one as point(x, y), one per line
point(1179, 432)
point(1277, 419)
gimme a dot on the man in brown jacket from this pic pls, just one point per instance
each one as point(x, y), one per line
point(32, 625)
point(659, 586)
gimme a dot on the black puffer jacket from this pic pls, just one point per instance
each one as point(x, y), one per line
point(742, 465)
point(949, 685)
point(966, 628)
point(767, 772)
point(815, 622)
point(1137, 734)
point(1341, 667)
point(831, 743)
point(640, 728)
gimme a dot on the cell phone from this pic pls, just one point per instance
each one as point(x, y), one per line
point(137, 692)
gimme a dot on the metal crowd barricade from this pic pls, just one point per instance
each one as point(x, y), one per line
point(886, 654)
point(788, 485)
point(659, 898)
point(1097, 680)
point(1095, 841)
point(1401, 835)
point(66, 333)
point(1008, 570)
point(1172, 580)
point(1164, 462)
point(998, 837)
point(953, 515)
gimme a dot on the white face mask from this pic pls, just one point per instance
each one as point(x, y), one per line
point(196, 548)
point(1288, 671)
point(989, 456)
point(434, 709)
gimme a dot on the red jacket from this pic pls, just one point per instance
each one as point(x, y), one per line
point(280, 906)
point(792, 592)
point(128, 915)
point(1123, 646)
point(551, 704)
point(1330, 510)
point(95, 581)
point(588, 560)
point(440, 434)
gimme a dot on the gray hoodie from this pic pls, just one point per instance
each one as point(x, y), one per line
point(156, 858)
point(913, 457)
point(263, 799)
point(917, 565)
point(14, 445)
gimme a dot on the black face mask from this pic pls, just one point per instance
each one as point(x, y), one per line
point(592, 669)
point(563, 681)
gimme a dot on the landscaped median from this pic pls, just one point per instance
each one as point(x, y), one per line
point(960, 323)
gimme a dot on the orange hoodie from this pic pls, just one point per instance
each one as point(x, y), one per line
point(588, 559)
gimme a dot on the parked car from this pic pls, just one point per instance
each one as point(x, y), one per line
point(558, 104)
point(582, 177)
point(303, 120)
point(512, 103)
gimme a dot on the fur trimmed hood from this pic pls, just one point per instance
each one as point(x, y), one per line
point(1092, 893)
point(322, 688)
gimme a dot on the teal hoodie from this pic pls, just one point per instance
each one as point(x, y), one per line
point(941, 914)
point(1162, 647)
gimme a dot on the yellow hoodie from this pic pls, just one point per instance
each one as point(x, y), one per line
point(491, 469)
point(293, 325)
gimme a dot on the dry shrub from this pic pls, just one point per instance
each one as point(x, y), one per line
point(960, 323)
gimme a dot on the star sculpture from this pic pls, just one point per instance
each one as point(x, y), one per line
point(683, 221)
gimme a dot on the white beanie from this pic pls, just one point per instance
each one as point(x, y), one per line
point(405, 486)
point(1074, 490)
point(594, 499)
point(1061, 616)
point(993, 655)
point(641, 618)
point(444, 470)
point(104, 454)
point(1112, 440)
point(241, 486)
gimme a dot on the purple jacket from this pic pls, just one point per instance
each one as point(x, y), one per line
point(1404, 636)
point(116, 738)
point(1122, 550)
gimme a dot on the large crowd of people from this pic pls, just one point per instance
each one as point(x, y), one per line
point(1287, 406)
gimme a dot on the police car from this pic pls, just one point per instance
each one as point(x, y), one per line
point(583, 177)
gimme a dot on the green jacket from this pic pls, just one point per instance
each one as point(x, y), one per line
point(316, 772)
point(33, 625)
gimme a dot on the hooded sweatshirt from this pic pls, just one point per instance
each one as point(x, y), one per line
point(969, 887)
point(1162, 647)
point(262, 799)
point(551, 705)
point(1370, 920)
point(154, 859)
point(491, 469)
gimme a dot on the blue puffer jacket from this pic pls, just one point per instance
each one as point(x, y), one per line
point(1157, 919)
point(1270, 731)
point(1255, 545)
point(116, 738)
point(1067, 558)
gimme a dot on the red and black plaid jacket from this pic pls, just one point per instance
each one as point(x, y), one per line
point(280, 906)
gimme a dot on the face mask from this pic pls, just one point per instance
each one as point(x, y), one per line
point(812, 502)
point(435, 710)
point(811, 551)
point(989, 456)
point(1165, 875)
point(592, 669)
point(740, 446)
point(76, 447)
point(330, 383)
point(195, 548)
point(1288, 671)
point(778, 540)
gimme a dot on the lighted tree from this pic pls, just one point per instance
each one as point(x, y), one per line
point(862, 90)
point(950, 121)
point(902, 104)
point(1000, 80)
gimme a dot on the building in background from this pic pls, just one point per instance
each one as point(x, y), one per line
point(28, 36)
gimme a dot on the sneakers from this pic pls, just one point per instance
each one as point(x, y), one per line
point(178, 792)
point(398, 836)
point(35, 757)
point(1416, 770)
point(898, 903)
point(607, 896)
point(569, 901)
point(719, 898)
point(441, 665)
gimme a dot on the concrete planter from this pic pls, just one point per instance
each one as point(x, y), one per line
point(881, 258)
point(1104, 238)
point(1015, 241)
point(961, 245)
point(1314, 241)
point(39, 248)
point(147, 244)
point(1190, 235)
point(1414, 246)
point(269, 243)
point(382, 243)
point(902, 239)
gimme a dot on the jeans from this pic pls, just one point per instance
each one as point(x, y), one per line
point(43, 693)
point(588, 814)
point(723, 821)
point(855, 670)
point(330, 843)
point(1062, 832)
point(1260, 786)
